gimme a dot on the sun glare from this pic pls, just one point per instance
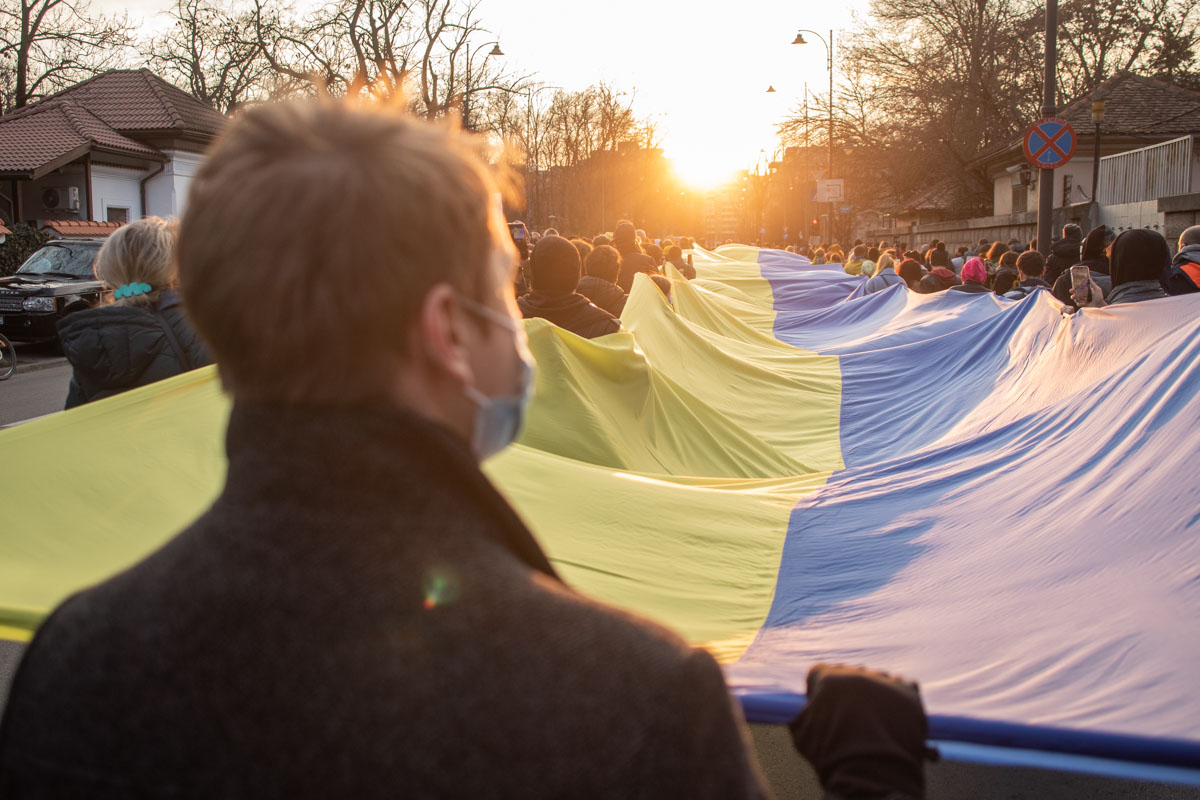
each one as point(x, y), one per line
point(702, 171)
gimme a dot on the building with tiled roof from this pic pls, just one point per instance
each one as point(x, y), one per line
point(116, 147)
point(1138, 112)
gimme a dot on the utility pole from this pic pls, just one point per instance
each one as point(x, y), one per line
point(1049, 109)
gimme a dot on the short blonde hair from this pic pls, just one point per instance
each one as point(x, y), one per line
point(140, 252)
point(313, 232)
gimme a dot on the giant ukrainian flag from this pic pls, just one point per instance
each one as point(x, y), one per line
point(986, 495)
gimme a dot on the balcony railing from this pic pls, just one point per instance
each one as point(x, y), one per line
point(1148, 173)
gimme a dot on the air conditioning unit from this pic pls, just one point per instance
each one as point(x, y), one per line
point(61, 198)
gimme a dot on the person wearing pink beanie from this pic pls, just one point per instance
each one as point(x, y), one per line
point(974, 278)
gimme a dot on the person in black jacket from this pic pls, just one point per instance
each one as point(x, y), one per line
point(1183, 276)
point(1138, 259)
point(633, 260)
point(1065, 252)
point(554, 271)
point(674, 257)
point(1030, 267)
point(1095, 258)
point(601, 268)
point(974, 278)
point(143, 335)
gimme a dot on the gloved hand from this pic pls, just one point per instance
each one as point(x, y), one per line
point(864, 733)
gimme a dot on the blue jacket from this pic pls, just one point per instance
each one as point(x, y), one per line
point(883, 280)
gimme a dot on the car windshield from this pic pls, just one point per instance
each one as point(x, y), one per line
point(61, 258)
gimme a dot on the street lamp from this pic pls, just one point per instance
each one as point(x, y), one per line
point(829, 64)
point(532, 167)
point(466, 101)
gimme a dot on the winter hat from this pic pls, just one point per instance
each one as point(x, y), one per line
point(974, 270)
point(1138, 255)
point(625, 236)
point(555, 265)
point(1093, 245)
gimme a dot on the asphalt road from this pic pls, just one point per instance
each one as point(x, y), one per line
point(33, 392)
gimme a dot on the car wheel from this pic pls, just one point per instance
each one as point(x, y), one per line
point(8, 358)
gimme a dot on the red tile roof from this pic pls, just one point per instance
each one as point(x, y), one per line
point(54, 129)
point(72, 227)
point(138, 100)
point(107, 112)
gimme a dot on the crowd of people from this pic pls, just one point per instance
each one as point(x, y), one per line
point(581, 284)
point(585, 291)
point(1125, 267)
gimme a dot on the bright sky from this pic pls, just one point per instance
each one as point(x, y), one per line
point(700, 69)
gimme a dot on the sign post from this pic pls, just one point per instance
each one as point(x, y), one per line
point(1046, 173)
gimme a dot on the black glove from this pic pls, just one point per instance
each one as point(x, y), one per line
point(864, 733)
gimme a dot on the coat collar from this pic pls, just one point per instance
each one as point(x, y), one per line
point(378, 461)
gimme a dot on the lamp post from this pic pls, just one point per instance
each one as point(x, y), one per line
point(1097, 118)
point(535, 170)
point(466, 101)
point(829, 64)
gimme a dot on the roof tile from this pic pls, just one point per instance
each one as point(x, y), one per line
point(87, 228)
point(138, 100)
point(53, 128)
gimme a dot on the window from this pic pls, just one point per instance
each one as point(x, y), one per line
point(1020, 198)
point(116, 214)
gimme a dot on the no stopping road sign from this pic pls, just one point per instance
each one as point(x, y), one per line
point(1049, 143)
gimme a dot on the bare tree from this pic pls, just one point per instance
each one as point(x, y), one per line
point(49, 44)
point(943, 80)
point(1103, 37)
point(212, 53)
point(421, 50)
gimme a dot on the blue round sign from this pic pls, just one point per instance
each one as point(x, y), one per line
point(1050, 143)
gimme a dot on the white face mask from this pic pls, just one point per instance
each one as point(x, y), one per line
point(499, 419)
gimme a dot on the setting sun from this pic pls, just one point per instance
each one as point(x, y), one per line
point(703, 170)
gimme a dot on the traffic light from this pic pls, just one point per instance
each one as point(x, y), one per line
point(816, 223)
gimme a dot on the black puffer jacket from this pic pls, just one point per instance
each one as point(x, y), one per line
point(1064, 254)
point(634, 261)
point(570, 311)
point(605, 294)
point(1099, 270)
point(115, 348)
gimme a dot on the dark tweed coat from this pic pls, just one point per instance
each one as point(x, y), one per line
point(359, 615)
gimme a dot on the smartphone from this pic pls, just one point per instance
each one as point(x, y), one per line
point(1081, 283)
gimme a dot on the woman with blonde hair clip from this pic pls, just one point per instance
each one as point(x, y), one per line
point(142, 335)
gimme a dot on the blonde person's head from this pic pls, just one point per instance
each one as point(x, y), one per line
point(314, 232)
point(139, 254)
point(885, 262)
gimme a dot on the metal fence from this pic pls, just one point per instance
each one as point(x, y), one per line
point(1161, 170)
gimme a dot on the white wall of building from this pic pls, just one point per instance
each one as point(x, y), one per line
point(1077, 173)
point(116, 188)
point(166, 193)
point(1132, 215)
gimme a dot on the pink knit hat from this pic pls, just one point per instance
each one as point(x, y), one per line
point(974, 270)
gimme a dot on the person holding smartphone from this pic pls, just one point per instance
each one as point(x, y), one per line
point(1138, 258)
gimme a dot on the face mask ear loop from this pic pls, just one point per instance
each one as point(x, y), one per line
point(477, 397)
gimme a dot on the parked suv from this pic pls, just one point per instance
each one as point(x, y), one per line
point(55, 281)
